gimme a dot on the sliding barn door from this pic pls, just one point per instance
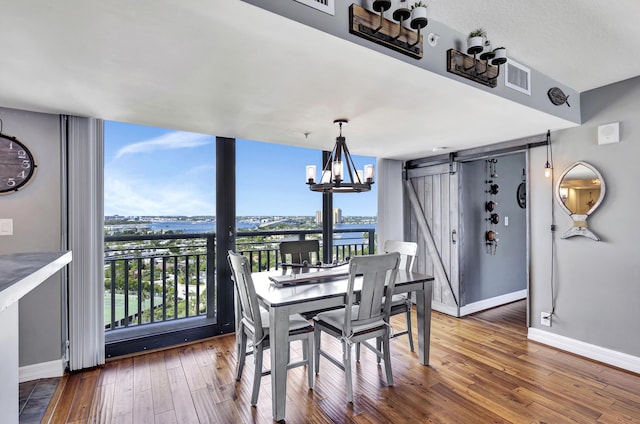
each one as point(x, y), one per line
point(432, 220)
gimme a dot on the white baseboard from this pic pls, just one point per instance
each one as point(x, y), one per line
point(42, 370)
point(444, 308)
point(597, 353)
point(492, 302)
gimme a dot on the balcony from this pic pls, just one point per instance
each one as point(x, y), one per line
point(163, 278)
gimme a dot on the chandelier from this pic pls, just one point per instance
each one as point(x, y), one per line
point(333, 178)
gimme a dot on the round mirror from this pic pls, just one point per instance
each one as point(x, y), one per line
point(579, 191)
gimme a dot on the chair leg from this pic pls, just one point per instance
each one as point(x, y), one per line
point(242, 353)
point(357, 352)
point(379, 347)
point(409, 332)
point(387, 360)
point(257, 374)
point(307, 350)
point(316, 349)
point(346, 353)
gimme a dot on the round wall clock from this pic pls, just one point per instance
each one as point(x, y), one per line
point(17, 165)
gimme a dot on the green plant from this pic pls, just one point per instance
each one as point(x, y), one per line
point(418, 4)
point(480, 32)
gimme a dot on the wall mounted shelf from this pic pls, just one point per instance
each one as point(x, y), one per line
point(394, 35)
point(473, 68)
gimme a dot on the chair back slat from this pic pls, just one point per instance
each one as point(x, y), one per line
point(407, 250)
point(246, 292)
point(300, 251)
point(378, 274)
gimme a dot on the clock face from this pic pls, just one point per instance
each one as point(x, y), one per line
point(17, 166)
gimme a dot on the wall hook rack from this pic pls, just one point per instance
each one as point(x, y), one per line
point(483, 70)
point(389, 33)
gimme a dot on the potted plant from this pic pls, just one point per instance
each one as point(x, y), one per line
point(419, 15)
point(475, 41)
point(500, 56)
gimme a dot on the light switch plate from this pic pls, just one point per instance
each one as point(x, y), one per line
point(6, 227)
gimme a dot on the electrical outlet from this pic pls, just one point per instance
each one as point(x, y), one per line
point(545, 318)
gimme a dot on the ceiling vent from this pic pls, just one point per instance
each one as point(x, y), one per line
point(518, 77)
point(326, 6)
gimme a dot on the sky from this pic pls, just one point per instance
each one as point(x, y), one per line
point(152, 171)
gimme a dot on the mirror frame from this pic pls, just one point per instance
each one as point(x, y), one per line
point(579, 227)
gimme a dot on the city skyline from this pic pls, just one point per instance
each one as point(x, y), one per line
point(160, 172)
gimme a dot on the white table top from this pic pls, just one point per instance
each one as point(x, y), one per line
point(281, 296)
point(22, 272)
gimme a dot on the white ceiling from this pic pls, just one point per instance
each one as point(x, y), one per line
point(230, 69)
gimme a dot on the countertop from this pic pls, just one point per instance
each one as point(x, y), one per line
point(22, 272)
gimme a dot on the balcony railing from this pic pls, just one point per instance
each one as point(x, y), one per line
point(163, 277)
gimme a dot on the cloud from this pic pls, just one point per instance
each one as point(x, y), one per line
point(169, 141)
point(128, 197)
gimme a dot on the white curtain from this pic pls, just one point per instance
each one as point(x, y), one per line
point(85, 151)
point(390, 201)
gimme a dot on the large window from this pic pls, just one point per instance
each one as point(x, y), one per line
point(159, 200)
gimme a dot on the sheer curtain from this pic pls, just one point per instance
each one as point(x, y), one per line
point(85, 174)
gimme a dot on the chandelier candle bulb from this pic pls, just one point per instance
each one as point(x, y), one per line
point(368, 173)
point(337, 170)
point(311, 174)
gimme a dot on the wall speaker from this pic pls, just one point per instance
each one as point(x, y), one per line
point(609, 133)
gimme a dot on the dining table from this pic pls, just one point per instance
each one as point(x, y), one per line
point(291, 290)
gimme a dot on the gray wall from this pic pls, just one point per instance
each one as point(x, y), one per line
point(35, 211)
point(484, 276)
point(434, 58)
point(597, 287)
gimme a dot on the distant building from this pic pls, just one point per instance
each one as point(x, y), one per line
point(337, 216)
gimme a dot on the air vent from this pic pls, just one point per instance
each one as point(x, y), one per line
point(326, 6)
point(518, 77)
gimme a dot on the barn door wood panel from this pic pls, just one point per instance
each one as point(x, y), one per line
point(432, 212)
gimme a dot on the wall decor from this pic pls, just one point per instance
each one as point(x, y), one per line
point(391, 33)
point(557, 96)
point(484, 69)
point(17, 164)
point(521, 191)
point(492, 218)
point(579, 191)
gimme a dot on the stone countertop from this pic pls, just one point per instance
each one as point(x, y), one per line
point(22, 272)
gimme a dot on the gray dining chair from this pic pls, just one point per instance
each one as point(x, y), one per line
point(401, 303)
point(300, 251)
point(363, 317)
point(254, 325)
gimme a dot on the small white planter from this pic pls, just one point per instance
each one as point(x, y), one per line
point(500, 56)
point(475, 43)
point(419, 17)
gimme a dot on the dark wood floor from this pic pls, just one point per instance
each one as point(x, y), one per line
point(482, 370)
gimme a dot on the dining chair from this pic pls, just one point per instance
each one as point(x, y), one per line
point(363, 317)
point(401, 303)
point(300, 251)
point(254, 324)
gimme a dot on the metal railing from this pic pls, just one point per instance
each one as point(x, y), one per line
point(163, 277)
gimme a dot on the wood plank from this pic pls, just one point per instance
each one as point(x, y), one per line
point(482, 369)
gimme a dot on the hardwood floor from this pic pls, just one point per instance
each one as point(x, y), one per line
point(482, 370)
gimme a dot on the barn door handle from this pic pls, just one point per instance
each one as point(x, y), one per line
point(453, 237)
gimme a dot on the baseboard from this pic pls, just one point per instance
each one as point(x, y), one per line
point(42, 370)
point(492, 302)
point(444, 308)
point(597, 353)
